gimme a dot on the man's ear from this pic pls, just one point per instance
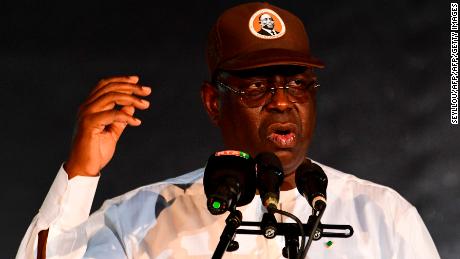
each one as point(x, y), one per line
point(210, 99)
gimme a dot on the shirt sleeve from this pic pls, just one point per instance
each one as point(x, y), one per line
point(67, 205)
point(413, 239)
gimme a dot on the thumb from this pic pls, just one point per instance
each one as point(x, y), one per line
point(117, 128)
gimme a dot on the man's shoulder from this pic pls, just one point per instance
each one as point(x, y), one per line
point(183, 182)
point(352, 188)
point(187, 184)
point(137, 211)
point(264, 32)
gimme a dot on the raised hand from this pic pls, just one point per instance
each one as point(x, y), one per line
point(102, 119)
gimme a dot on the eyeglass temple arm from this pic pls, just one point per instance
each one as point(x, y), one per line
point(229, 88)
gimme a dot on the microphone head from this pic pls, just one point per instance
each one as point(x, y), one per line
point(270, 177)
point(229, 180)
point(311, 182)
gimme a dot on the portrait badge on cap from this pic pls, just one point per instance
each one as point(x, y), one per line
point(266, 24)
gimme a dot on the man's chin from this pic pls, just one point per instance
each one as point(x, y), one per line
point(289, 160)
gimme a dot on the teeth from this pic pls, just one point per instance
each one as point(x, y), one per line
point(283, 140)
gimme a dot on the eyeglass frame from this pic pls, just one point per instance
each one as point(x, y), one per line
point(271, 89)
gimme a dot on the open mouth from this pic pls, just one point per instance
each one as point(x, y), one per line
point(282, 135)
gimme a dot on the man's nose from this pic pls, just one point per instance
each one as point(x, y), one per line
point(279, 100)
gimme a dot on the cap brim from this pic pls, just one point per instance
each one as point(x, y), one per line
point(270, 57)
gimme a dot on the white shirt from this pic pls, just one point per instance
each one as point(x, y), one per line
point(169, 219)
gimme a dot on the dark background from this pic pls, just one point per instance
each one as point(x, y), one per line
point(383, 109)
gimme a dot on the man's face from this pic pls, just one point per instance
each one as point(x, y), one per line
point(280, 125)
point(266, 21)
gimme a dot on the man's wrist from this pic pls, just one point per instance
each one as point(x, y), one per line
point(73, 171)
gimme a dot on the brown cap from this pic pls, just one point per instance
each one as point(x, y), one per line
point(256, 35)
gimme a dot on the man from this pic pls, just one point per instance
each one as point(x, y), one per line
point(262, 96)
point(267, 25)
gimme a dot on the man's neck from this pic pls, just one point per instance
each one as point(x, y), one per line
point(289, 179)
point(289, 182)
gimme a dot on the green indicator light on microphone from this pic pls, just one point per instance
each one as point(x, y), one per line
point(244, 155)
point(216, 204)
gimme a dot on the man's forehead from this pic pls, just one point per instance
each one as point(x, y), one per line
point(266, 16)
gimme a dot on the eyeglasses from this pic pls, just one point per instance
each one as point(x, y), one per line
point(255, 94)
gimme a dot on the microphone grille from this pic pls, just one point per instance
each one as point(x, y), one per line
point(311, 180)
point(268, 159)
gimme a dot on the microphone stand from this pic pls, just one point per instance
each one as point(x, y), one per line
point(291, 239)
point(289, 230)
point(232, 223)
point(269, 227)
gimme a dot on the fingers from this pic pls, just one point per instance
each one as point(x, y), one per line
point(128, 110)
point(109, 100)
point(99, 113)
point(119, 87)
point(120, 79)
point(117, 127)
point(99, 121)
point(114, 91)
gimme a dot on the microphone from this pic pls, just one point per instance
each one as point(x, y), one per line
point(229, 181)
point(311, 182)
point(270, 176)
